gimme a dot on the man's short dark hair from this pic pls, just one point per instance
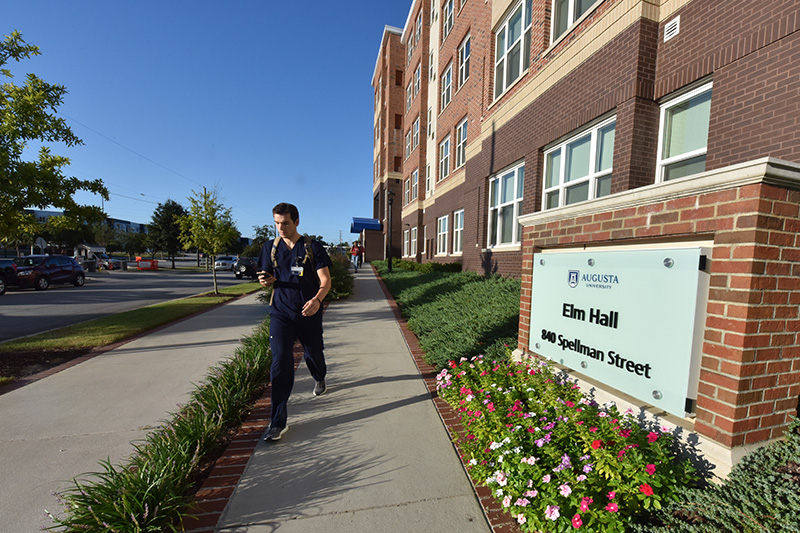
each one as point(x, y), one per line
point(286, 209)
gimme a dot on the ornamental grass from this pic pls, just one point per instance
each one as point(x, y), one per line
point(554, 458)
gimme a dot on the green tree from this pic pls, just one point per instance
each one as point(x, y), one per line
point(208, 226)
point(134, 243)
point(165, 230)
point(263, 234)
point(27, 113)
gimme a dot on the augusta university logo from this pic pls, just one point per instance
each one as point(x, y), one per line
point(572, 279)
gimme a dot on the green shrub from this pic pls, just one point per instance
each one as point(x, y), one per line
point(457, 314)
point(153, 492)
point(761, 494)
point(402, 264)
point(341, 278)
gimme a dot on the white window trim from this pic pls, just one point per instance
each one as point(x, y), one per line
point(406, 191)
point(449, 18)
point(526, 27)
point(408, 144)
point(461, 144)
point(406, 238)
point(409, 96)
point(417, 76)
point(593, 175)
point(660, 164)
point(458, 232)
point(414, 184)
point(441, 236)
point(415, 134)
point(424, 239)
point(446, 82)
point(428, 179)
point(571, 25)
point(461, 61)
point(413, 249)
point(444, 159)
point(516, 202)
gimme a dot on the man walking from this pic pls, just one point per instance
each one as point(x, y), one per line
point(299, 270)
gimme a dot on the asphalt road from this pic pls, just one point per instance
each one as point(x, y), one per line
point(26, 312)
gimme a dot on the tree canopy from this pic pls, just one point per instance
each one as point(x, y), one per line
point(164, 230)
point(28, 113)
point(208, 225)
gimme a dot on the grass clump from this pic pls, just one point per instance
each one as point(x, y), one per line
point(456, 314)
point(153, 491)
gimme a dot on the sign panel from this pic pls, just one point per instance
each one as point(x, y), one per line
point(626, 318)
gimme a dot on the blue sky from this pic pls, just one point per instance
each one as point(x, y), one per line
point(264, 101)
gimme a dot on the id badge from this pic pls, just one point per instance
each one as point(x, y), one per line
point(297, 270)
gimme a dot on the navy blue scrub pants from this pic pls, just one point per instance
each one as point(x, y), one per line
point(283, 331)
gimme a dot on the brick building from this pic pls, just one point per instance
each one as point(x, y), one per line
point(558, 125)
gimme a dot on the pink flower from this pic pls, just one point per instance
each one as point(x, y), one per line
point(612, 507)
point(507, 501)
point(597, 444)
point(652, 437)
point(521, 518)
point(646, 489)
point(611, 495)
point(490, 407)
point(593, 429)
point(625, 433)
point(650, 469)
point(585, 502)
point(576, 521)
point(522, 502)
point(502, 479)
point(565, 490)
point(551, 513)
point(546, 478)
point(531, 493)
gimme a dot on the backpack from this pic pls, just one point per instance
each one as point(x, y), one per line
point(309, 255)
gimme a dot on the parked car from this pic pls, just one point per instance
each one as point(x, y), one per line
point(224, 262)
point(245, 266)
point(39, 271)
point(8, 274)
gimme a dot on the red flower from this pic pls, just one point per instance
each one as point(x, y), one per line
point(652, 437)
point(576, 521)
point(597, 444)
point(650, 469)
point(612, 507)
point(646, 489)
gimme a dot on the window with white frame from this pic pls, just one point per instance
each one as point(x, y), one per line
point(406, 191)
point(505, 206)
point(415, 184)
point(413, 250)
point(406, 242)
point(409, 96)
point(683, 134)
point(433, 12)
point(444, 158)
point(428, 178)
point(463, 61)
point(431, 69)
point(415, 134)
point(424, 239)
point(447, 21)
point(458, 231)
point(410, 48)
point(565, 13)
point(418, 31)
point(579, 168)
point(461, 143)
point(447, 87)
point(408, 144)
point(512, 47)
point(430, 121)
point(417, 77)
point(441, 235)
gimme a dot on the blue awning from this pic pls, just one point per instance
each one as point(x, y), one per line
point(360, 224)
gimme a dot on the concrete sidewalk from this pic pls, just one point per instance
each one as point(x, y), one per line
point(61, 426)
point(371, 454)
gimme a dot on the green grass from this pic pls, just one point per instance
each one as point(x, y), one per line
point(114, 328)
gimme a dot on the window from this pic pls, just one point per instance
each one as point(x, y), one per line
point(406, 191)
point(447, 21)
point(424, 239)
point(408, 144)
point(430, 122)
point(461, 143)
point(458, 231)
point(579, 168)
point(565, 13)
point(413, 250)
point(444, 158)
point(406, 240)
point(433, 12)
point(419, 28)
point(417, 76)
point(463, 62)
point(415, 184)
point(415, 134)
point(683, 134)
point(428, 178)
point(512, 48)
point(447, 86)
point(505, 204)
point(441, 235)
point(409, 96)
point(431, 69)
point(410, 48)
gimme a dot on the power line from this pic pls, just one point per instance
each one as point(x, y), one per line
point(131, 150)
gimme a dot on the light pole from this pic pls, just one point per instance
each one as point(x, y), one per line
point(390, 200)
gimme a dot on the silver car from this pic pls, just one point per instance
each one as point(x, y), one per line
point(224, 262)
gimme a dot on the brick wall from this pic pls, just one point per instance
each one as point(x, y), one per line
point(750, 366)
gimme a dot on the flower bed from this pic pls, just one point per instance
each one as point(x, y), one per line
point(554, 458)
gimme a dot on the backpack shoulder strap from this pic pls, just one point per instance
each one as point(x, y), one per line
point(274, 252)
